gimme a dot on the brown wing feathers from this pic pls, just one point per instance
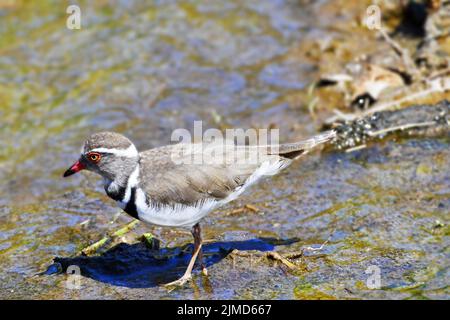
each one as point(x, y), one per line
point(166, 182)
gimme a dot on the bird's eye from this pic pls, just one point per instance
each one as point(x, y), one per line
point(94, 157)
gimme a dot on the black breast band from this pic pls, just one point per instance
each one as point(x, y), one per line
point(131, 205)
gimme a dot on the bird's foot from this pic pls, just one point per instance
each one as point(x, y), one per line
point(180, 282)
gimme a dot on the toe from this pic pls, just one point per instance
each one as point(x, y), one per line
point(178, 283)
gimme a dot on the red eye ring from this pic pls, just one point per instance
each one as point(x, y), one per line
point(94, 157)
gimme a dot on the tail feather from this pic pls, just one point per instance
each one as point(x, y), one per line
point(296, 149)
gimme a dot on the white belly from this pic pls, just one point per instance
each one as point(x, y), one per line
point(172, 215)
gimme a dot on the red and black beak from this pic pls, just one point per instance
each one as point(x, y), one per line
point(77, 166)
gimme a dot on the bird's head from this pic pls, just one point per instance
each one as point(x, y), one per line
point(111, 155)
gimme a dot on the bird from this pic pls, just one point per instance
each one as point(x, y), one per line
point(177, 185)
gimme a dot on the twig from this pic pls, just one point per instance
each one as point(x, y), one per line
point(278, 257)
point(272, 255)
point(401, 128)
point(93, 248)
point(403, 54)
point(356, 148)
point(322, 245)
point(251, 208)
point(317, 249)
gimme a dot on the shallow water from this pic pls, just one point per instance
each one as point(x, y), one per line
point(146, 69)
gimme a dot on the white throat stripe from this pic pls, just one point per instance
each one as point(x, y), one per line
point(133, 181)
point(129, 152)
